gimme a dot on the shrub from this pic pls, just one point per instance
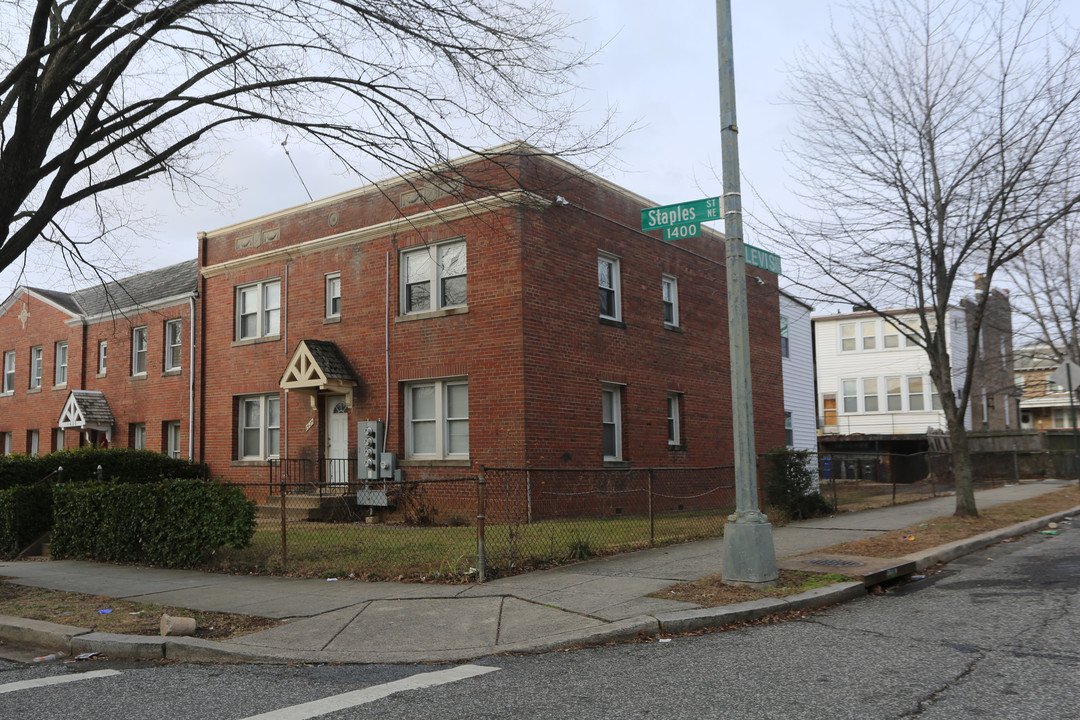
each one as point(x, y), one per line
point(80, 465)
point(175, 523)
point(790, 484)
point(25, 515)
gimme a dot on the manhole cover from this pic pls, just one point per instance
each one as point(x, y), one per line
point(835, 562)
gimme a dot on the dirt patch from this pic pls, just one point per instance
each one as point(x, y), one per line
point(712, 592)
point(125, 618)
point(947, 529)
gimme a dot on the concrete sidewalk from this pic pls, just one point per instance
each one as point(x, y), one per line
point(355, 622)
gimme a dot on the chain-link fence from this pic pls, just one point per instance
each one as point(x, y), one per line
point(502, 521)
point(854, 481)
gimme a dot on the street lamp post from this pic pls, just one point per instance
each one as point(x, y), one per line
point(749, 557)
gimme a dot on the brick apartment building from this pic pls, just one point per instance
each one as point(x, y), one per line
point(510, 314)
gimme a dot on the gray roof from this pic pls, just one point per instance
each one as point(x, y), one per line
point(94, 407)
point(330, 360)
point(140, 290)
point(63, 299)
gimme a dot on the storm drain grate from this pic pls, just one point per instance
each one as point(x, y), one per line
point(835, 562)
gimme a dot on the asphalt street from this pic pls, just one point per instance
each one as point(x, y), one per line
point(993, 635)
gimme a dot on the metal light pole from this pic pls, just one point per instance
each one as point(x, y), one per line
point(749, 557)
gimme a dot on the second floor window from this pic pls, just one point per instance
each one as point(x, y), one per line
point(173, 336)
point(138, 351)
point(60, 374)
point(9, 372)
point(670, 288)
point(102, 356)
point(258, 310)
point(333, 295)
point(35, 367)
point(434, 277)
point(784, 348)
point(608, 268)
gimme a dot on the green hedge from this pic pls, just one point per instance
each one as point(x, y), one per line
point(175, 523)
point(25, 515)
point(80, 464)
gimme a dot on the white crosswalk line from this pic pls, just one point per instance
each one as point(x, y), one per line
point(55, 680)
point(347, 700)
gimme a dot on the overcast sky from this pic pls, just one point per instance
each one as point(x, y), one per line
point(659, 67)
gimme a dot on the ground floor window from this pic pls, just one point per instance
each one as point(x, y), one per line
point(259, 427)
point(437, 419)
point(138, 436)
point(172, 438)
point(5, 443)
point(32, 442)
point(611, 409)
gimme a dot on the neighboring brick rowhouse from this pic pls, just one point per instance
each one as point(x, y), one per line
point(527, 347)
point(150, 399)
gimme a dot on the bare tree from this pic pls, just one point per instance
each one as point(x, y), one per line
point(1048, 278)
point(99, 95)
point(932, 146)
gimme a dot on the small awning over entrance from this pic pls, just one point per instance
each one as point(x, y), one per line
point(87, 410)
point(317, 366)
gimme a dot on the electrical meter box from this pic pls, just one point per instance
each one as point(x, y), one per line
point(369, 449)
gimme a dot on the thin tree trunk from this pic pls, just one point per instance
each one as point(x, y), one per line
point(962, 474)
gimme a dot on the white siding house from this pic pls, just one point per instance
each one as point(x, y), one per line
point(873, 380)
point(797, 349)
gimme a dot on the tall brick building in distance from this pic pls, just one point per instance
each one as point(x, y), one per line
point(508, 313)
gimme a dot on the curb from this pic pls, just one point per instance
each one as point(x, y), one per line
point(73, 640)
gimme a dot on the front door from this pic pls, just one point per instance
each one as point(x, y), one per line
point(337, 440)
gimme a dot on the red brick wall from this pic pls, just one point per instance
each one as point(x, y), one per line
point(157, 398)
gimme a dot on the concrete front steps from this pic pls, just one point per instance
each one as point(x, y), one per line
point(312, 508)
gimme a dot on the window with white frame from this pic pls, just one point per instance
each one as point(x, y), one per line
point(870, 394)
point(784, 347)
point(893, 397)
point(138, 351)
point(5, 443)
point(258, 310)
point(789, 429)
point(138, 436)
point(437, 419)
point(259, 427)
point(985, 407)
point(847, 337)
point(849, 392)
point(670, 291)
point(916, 400)
point(35, 367)
point(60, 367)
point(434, 277)
point(674, 431)
point(173, 350)
point(610, 293)
point(890, 336)
point(58, 439)
point(869, 334)
point(333, 295)
point(611, 412)
point(935, 397)
point(1061, 418)
point(172, 438)
point(9, 372)
point(33, 442)
point(102, 356)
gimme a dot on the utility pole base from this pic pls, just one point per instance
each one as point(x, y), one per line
point(749, 557)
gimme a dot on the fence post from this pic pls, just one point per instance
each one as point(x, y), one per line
point(284, 546)
point(100, 472)
point(481, 511)
point(1016, 465)
point(60, 474)
point(652, 518)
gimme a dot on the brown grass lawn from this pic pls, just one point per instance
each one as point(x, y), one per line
point(712, 592)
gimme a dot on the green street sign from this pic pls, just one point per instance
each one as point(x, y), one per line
point(762, 259)
point(679, 232)
point(698, 211)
